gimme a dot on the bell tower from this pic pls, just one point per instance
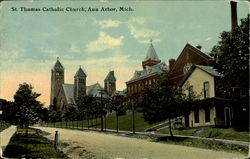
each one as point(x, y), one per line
point(110, 83)
point(151, 57)
point(57, 79)
point(79, 84)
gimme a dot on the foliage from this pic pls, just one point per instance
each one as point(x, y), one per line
point(231, 58)
point(28, 108)
point(9, 111)
point(163, 101)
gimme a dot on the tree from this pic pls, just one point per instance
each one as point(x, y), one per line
point(163, 101)
point(28, 107)
point(132, 105)
point(85, 106)
point(116, 104)
point(231, 58)
point(9, 111)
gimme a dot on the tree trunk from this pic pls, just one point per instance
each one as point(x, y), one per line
point(92, 120)
point(96, 122)
point(88, 121)
point(170, 128)
point(105, 122)
point(116, 122)
point(133, 115)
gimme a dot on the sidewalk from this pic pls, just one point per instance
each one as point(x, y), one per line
point(152, 134)
point(5, 136)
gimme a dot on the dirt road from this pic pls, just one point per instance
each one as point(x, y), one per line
point(91, 145)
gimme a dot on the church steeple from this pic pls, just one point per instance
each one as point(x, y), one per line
point(57, 79)
point(151, 57)
point(79, 84)
point(110, 83)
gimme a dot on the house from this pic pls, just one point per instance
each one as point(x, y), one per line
point(152, 69)
point(212, 110)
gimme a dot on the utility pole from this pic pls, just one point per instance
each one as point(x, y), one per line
point(102, 92)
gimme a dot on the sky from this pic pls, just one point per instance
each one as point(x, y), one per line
point(100, 41)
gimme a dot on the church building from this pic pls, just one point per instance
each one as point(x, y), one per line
point(63, 94)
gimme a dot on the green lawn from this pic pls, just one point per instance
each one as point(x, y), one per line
point(208, 132)
point(32, 145)
point(125, 123)
point(3, 125)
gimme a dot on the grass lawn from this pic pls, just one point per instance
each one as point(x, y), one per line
point(206, 145)
point(208, 132)
point(3, 125)
point(31, 146)
point(125, 123)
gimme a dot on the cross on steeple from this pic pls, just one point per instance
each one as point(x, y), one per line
point(151, 41)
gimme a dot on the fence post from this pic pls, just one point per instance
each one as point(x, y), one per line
point(56, 140)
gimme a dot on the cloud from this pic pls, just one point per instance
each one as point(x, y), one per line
point(142, 35)
point(74, 49)
point(9, 55)
point(208, 38)
point(104, 42)
point(138, 20)
point(49, 51)
point(142, 32)
point(108, 23)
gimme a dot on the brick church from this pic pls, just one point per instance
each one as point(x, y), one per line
point(152, 68)
point(63, 95)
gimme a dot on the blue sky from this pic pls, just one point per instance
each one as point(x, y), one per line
point(101, 41)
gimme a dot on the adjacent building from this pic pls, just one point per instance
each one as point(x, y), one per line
point(201, 81)
point(152, 68)
point(189, 56)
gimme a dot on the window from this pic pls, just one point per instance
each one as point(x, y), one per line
point(149, 82)
point(57, 73)
point(196, 115)
point(81, 80)
point(207, 115)
point(206, 89)
point(190, 91)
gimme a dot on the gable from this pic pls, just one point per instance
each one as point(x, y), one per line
point(196, 78)
point(191, 55)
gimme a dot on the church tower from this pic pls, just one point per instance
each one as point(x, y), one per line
point(110, 83)
point(79, 84)
point(57, 79)
point(151, 57)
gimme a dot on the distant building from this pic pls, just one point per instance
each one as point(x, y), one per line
point(152, 68)
point(63, 94)
point(110, 83)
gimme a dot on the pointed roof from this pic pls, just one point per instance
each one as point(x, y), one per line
point(151, 54)
point(80, 73)
point(58, 65)
point(110, 76)
point(94, 91)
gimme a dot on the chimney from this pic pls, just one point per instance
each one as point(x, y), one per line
point(171, 63)
point(199, 47)
point(233, 14)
